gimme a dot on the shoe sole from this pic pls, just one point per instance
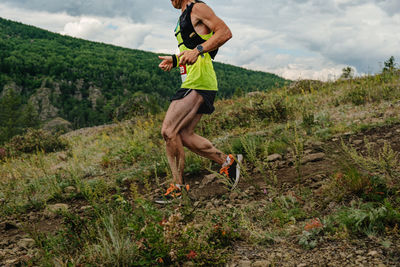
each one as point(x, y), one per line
point(239, 159)
point(167, 201)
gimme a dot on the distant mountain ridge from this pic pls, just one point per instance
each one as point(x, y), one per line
point(89, 83)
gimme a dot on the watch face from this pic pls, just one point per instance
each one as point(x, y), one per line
point(200, 48)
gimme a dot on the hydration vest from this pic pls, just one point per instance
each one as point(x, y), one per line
point(187, 32)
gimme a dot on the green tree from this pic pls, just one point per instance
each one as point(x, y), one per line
point(389, 65)
point(10, 113)
point(29, 55)
point(347, 73)
point(15, 118)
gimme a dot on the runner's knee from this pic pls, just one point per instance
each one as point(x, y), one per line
point(168, 134)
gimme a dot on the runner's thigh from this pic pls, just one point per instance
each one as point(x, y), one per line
point(181, 112)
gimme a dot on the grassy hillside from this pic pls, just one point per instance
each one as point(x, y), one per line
point(88, 83)
point(321, 185)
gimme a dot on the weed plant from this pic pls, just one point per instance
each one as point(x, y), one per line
point(138, 234)
point(34, 141)
point(368, 218)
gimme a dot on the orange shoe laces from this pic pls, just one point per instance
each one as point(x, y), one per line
point(226, 168)
point(173, 188)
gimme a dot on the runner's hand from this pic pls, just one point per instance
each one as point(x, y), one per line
point(166, 63)
point(188, 57)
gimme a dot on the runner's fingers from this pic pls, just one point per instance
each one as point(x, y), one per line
point(165, 58)
point(184, 60)
point(162, 66)
point(181, 53)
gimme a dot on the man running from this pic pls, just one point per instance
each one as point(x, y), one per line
point(199, 33)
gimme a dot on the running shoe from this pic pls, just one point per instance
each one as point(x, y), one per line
point(173, 192)
point(231, 169)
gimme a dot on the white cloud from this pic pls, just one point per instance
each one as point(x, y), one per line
point(85, 27)
point(293, 38)
point(121, 32)
point(42, 19)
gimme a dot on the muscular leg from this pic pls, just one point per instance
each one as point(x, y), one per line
point(199, 144)
point(180, 113)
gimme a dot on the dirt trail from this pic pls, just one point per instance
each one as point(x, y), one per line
point(319, 161)
point(16, 245)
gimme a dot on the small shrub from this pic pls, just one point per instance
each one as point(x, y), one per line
point(357, 96)
point(249, 145)
point(308, 121)
point(352, 182)
point(34, 141)
point(383, 163)
point(274, 108)
point(304, 86)
point(368, 218)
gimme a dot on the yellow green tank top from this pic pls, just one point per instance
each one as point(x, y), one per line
point(200, 75)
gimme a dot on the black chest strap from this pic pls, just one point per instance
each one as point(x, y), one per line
point(189, 36)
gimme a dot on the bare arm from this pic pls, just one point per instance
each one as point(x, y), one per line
point(222, 33)
point(204, 14)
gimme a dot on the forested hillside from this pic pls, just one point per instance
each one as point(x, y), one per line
point(88, 83)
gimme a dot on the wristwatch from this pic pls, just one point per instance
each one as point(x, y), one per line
point(200, 49)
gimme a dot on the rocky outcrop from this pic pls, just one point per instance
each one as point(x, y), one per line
point(42, 104)
point(78, 92)
point(11, 86)
point(94, 95)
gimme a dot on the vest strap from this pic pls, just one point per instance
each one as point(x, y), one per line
point(189, 36)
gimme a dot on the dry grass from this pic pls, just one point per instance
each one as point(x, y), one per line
point(101, 160)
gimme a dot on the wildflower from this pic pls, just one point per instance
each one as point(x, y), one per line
point(339, 176)
point(191, 255)
point(313, 224)
point(160, 260)
point(163, 222)
point(265, 191)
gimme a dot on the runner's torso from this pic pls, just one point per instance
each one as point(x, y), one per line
point(200, 75)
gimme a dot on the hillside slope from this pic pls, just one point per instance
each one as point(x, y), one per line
point(320, 186)
point(86, 82)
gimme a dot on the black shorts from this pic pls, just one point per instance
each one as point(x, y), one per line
point(209, 96)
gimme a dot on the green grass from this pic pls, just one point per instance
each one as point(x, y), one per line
point(113, 168)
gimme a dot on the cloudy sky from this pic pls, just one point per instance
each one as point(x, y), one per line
point(292, 38)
